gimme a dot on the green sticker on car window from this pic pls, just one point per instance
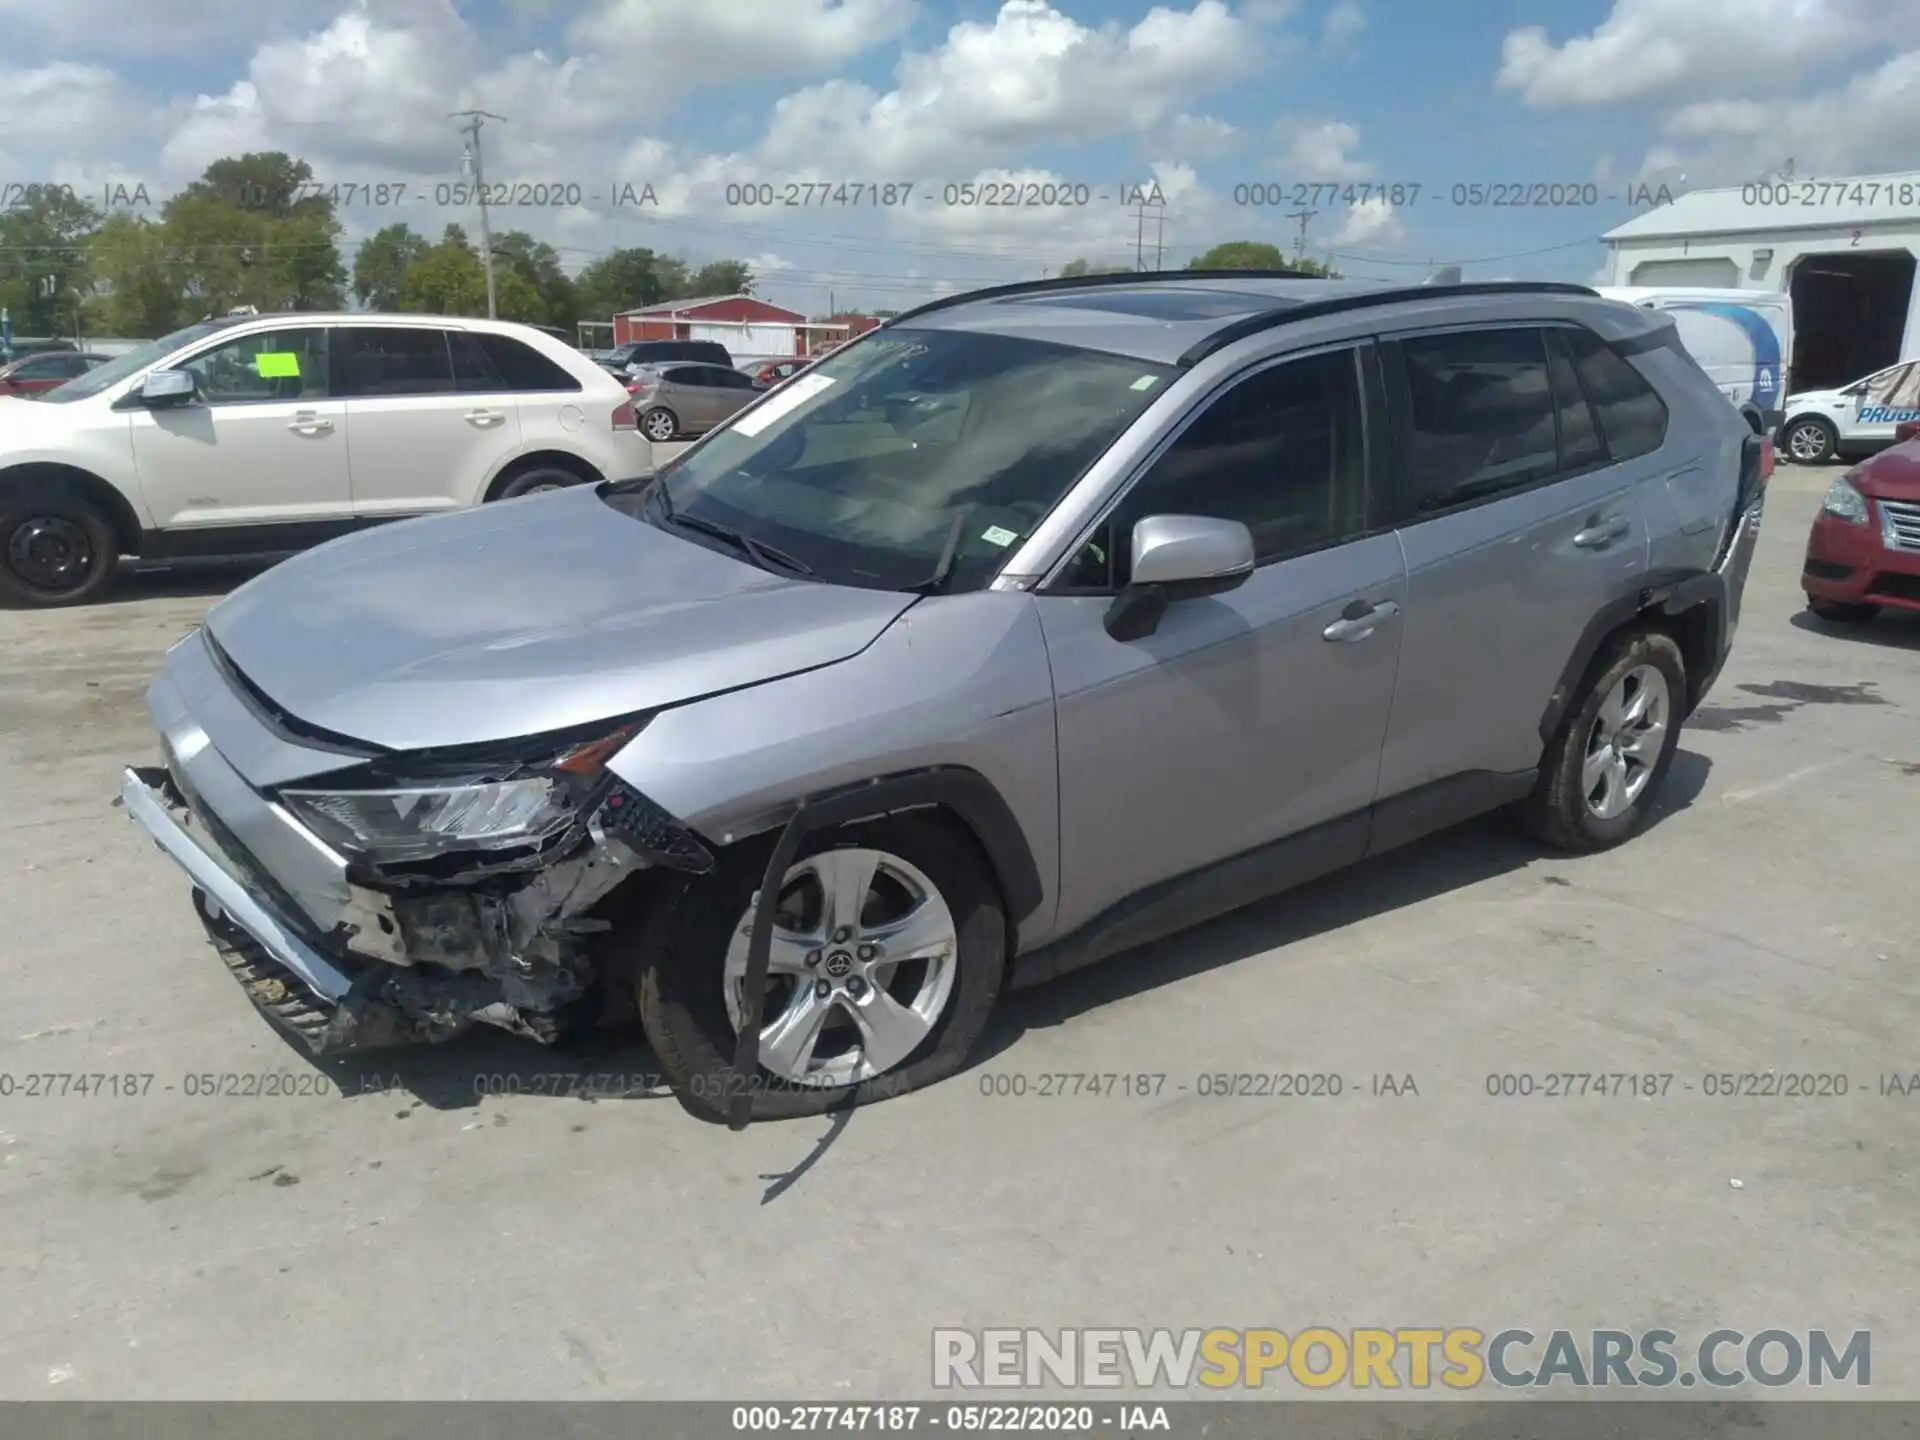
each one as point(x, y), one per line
point(278, 365)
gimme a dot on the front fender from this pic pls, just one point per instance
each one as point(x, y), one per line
point(957, 689)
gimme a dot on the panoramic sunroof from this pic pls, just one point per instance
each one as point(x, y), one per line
point(1158, 303)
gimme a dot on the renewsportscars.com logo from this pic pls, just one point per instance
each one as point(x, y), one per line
point(1461, 1358)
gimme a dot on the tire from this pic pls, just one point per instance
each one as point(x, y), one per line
point(1842, 612)
point(55, 549)
point(1810, 441)
point(689, 939)
point(546, 477)
point(660, 424)
point(1562, 811)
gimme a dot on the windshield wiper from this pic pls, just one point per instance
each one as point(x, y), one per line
point(949, 553)
point(766, 556)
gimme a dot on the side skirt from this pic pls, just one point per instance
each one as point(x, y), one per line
point(1272, 869)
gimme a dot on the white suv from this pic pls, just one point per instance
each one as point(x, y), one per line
point(267, 434)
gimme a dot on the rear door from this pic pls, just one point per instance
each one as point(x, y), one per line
point(1520, 525)
point(503, 370)
point(417, 441)
point(1243, 718)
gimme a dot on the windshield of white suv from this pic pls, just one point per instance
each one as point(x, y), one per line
point(106, 376)
point(912, 457)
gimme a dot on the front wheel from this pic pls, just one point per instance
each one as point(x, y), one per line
point(888, 949)
point(1602, 774)
point(55, 549)
point(1812, 441)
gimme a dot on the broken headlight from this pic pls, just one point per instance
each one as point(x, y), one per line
point(511, 807)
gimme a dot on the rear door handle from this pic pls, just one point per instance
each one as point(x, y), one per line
point(485, 419)
point(308, 423)
point(1601, 533)
point(1360, 621)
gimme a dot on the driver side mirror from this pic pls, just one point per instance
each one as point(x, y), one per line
point(1178, 557)
point(168, 389)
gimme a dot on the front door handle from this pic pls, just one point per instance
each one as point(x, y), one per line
point(484, 419)
point(1601, 533)
point(1360, 621)
point(308, 423)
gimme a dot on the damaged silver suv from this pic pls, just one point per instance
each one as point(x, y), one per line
point(1039, 623)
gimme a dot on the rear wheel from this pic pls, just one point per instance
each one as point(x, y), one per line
point(535, 481)
point(1812, 441)
point(660, 424)
point(888, 950)
point(1603, 772)
point(1842, 612)
point(55, 549)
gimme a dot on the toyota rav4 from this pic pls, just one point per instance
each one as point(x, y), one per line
point(1036, 624)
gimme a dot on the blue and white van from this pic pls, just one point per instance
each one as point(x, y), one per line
point(1742, 338)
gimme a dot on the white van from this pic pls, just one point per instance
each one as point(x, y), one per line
point(1742, 338)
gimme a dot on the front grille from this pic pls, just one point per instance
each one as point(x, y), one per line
point(1901, 524)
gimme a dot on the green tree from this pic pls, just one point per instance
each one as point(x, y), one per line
point(136, 285)
point(380, 267)
point(537, 265)
point(44, 242)
point(1087, 267)
point(450, 279)
point(1255, 255)
point(719, 277)
point(626, 279)
point(290, 247)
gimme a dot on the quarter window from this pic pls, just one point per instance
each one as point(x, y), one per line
point(1632, 416)
point(522, 368)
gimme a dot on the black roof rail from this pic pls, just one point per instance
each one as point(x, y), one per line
point(1089, 282)
point(1333, 305)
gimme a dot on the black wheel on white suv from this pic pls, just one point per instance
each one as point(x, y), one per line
point(1601, 775)
point(55, 549)
point(535, 481)
point(1811, 441)
point(659, 424)
point(888, 950)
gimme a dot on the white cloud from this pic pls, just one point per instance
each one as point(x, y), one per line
point(1673, 47)
point(1370, 222)
point(1343, 24)
point(1032, 76)
point(63, 113)
point(1196, 137)
point(1320, 150)
point(683, 45)
point(117, 27)
point(1269, 12)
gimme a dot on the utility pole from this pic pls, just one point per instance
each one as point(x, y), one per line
point(1303, 215)
point(474, 119)
point(1159, 209)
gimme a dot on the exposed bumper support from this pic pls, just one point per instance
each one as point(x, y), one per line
point(143, 790)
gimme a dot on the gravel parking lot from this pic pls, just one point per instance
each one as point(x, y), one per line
point(422, 1239)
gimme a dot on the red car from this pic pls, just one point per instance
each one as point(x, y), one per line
point(33, 374)
point(774, 371)
point(1864, 552)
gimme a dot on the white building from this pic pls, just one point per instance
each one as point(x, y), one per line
point(1844, 249)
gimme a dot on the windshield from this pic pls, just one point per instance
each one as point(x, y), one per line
point(862, 467)
point(105, 377)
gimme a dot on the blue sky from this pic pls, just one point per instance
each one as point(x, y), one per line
point(1199, 96)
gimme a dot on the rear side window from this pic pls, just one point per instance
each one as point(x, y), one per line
point(523, 368)
point(1632, 416)
point(1481, 415)
point(1580, 444)
point(387, 361)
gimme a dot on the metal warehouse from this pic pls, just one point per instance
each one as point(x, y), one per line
point(1844, 249)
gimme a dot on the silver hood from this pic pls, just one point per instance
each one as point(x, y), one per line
point(522, 617)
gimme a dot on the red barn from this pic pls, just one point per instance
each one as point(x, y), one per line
point(750, 329)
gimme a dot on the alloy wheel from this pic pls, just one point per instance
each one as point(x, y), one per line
point(1626, 741)
point(862, 967)
point(1807, 442)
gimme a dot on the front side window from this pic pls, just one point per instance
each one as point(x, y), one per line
point(912, 444)
point(1481, 416)
point(388, 361)
point(42, 367)
point(1283, 452)
point(1898, 388)
point(265, 366)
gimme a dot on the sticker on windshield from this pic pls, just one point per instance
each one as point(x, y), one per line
point(1146, 382)
point(999, 535)
point(788, 398)
point(277, 365)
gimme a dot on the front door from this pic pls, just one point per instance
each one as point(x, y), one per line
point(1247, 716)
point(430, 425)
point(259, 459)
